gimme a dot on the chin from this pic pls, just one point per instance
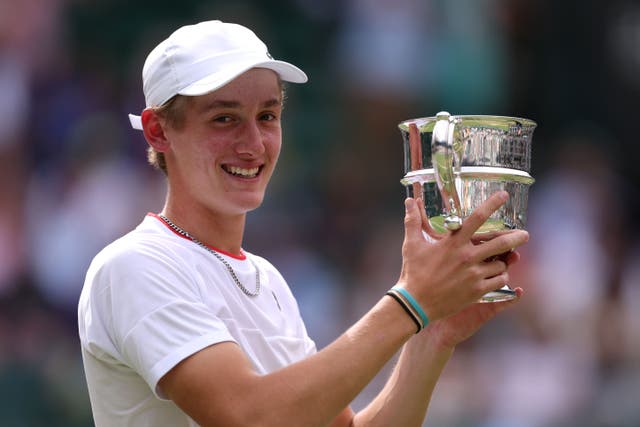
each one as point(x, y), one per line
point(248, 205)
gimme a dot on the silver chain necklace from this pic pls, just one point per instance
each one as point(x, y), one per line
point(220, 258)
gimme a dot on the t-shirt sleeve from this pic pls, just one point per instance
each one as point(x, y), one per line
point(158, 315)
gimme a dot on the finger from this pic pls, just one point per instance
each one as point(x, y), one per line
point(492, 268)
point(491, 284)
point(509, 257)
point(412, 221)
point(505, 243)
point(512, 257)
point(486, 236)
point(480, 215)
point(426, 224)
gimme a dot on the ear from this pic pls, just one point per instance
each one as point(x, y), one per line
point(152, 127)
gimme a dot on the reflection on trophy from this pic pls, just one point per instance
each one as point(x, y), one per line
point(454, 163)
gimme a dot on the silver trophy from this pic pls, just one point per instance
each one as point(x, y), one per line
point(454, 163)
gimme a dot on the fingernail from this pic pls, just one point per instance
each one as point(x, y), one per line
point(523, 233)
point(409, 203)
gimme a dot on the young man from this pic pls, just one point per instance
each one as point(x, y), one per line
point(181, 327)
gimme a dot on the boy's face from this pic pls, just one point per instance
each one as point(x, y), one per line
point(221, 160)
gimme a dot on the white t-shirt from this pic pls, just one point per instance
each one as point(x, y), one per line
point(153, 298)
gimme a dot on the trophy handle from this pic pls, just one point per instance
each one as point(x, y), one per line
point(446, 165)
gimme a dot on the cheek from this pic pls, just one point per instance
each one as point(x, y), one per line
point(193, 157)
point(275, 150)
point(273, 144)
point(204, 148)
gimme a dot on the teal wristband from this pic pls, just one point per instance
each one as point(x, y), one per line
point(414, 304)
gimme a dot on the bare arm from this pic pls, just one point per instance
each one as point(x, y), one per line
point(405, 398)
point(217, 386)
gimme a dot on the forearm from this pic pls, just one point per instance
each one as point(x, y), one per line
point(406, 395)
point(327, 382)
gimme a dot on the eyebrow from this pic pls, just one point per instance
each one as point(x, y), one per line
point(221, 103)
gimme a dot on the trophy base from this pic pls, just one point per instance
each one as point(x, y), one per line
point(503, 294)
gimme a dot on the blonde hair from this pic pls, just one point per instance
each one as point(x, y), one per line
point(173, 112)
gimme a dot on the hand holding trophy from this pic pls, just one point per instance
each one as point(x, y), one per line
point(454, 163)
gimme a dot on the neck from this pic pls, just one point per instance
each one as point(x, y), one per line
point(224, 232)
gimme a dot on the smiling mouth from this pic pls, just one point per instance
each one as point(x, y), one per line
point(242, 172)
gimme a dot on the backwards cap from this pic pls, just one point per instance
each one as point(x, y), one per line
point(198, 59)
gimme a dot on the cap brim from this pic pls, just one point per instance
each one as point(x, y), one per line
point(287, 72)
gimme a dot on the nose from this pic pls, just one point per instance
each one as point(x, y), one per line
point(250, 141)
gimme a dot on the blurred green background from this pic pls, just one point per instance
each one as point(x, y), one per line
point(73, 177)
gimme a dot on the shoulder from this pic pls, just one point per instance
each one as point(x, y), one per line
point(146, 258)
point(149, 242)
point(138, 274)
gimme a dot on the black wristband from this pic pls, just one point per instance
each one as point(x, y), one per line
point(406, 308)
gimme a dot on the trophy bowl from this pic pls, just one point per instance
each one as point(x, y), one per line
point(454, 163)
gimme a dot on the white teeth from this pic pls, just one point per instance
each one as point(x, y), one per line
point(243, 172)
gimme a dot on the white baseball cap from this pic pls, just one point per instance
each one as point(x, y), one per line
point(198, 59)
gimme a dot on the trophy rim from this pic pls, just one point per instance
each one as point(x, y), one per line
point(426, 124)
point(491, 173)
